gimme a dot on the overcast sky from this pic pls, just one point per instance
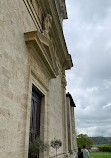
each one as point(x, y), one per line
point(88, 37)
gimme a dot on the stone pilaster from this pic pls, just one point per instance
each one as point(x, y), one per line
point(65, 133)
point(72, 142)
point(69, 125)
point(74, 132)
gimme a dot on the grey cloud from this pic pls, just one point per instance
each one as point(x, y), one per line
point(90, 11)
point(88, 39)
point(96, 131)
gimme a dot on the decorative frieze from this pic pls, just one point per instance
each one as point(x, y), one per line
point(37, 71)
point(63, 80)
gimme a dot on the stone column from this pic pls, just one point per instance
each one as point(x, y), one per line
point(73, 132)
point(64, 114)
point(70, 117)
point(69, 124)
point(72, 142)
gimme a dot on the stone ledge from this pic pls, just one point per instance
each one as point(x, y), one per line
point(32, 40)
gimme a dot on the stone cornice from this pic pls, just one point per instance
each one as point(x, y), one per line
point(58, 34)
point(68, 63)
point(33, 14)
point(63, 10)
point(32, 39)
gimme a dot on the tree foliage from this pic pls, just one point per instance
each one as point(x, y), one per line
point(105, 148)
point(99, 141)
point(83, 139)
point(37, 146)
point(56, 144)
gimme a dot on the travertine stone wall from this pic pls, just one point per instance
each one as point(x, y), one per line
point(20, 69)
point(65, 119)
point(14, 21)
point(55, 113)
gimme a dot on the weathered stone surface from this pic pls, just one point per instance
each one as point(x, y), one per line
point(22, 66)
point(55, 112)
point(14, 21)
point(72, 140)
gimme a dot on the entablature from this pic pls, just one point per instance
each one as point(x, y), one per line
point(50, 31)
point(58, 36)
point(61, 9)
point(36, 13)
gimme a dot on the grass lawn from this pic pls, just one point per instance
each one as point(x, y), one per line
point(100, 155)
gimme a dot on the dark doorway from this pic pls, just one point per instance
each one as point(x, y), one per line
point(34, 119)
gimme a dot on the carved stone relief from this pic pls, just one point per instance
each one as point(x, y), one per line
point(39, 70)
point(47, 25)
point(63, 80)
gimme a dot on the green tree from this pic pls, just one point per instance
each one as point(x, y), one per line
point(37, 146)
point(83, 139)
point(56, 144)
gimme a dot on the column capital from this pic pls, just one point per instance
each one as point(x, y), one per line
point(63, 80)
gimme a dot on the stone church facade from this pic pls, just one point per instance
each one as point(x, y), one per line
point(33, 58)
